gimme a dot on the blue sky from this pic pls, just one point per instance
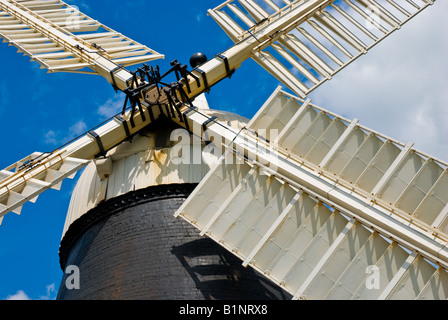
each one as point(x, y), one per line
point(397, 89)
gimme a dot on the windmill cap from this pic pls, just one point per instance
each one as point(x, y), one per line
point(197, 59)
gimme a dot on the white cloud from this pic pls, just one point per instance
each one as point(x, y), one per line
point(19, 295)
point(77, 129)
point(112, 106)
point(50, 138)
point(50, 290)
point(55, 138)
point(399, 87)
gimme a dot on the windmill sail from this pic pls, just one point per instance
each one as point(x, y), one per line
point(381, 168)
point(33, 185)
point(341, 200)
point(62, 39)
point(316, 46)
point(26, 179)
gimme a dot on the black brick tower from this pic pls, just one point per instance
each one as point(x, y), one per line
point(132, 247)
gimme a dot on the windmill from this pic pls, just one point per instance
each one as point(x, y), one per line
point(300, 86)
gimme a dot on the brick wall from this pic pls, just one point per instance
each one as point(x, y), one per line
point(132, 247)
